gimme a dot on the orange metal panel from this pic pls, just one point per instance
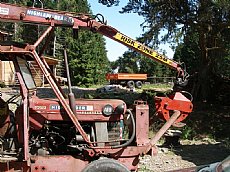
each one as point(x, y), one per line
point(126, 76)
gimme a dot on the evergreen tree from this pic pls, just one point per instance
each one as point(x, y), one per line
point(86, 52)
point(128, 63)
point(88, 61)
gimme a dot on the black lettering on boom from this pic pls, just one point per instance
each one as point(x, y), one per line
point(127, 40)
point(123, 38)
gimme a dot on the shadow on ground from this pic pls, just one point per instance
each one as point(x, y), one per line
point(202, 153)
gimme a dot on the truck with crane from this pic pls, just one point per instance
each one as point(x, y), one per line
point(68, 134)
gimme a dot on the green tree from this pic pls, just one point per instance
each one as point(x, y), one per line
point(128, 63)
point(109, 3)
point(88, 62)
point(86, 51)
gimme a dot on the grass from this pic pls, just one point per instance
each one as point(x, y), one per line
point(144, 86)
point(152, 86)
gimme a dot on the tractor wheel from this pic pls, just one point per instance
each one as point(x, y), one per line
point(130, 84)
point(105, 165)
point(138, 84)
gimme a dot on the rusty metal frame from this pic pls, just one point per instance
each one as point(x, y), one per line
point(25, 121)
point(55, 88)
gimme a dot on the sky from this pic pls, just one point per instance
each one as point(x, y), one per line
point(127, 23)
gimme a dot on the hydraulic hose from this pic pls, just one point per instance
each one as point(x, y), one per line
point(190, 98)
point(133, 132)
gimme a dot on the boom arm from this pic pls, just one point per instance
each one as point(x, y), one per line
point(14, 13)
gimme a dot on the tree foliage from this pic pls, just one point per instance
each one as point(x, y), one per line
point(128, 63)
point(109, 3)
point(134, 62)
point(87, 54)
point(88, 62)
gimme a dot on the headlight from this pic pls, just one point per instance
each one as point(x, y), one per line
point(120, 109)
point(107, 110)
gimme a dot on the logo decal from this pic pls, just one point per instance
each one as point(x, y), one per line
point(40, 107)
point(59, 17)
point(54, 107)
point(4, 11)
point(84, 107)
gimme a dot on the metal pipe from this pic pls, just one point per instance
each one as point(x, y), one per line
point(163, 129)
point(52, 75)
point(42, 36)
point(71, 95)
point(24, 92)
point(46, 43)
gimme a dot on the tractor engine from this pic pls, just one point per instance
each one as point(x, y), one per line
point(56, 138)
point(51, 131)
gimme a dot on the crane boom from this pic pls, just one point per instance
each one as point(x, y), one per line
point(15, 13)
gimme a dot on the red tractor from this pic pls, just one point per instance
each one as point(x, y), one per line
point(76, 135)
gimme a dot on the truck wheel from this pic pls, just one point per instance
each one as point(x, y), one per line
point(130, 84)
point(138, 84)
point(105, 165)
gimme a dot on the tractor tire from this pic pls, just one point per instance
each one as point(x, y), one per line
point(130, 84)
point(138, 84)
point(105, 165)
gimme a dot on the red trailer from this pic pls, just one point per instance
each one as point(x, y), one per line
point(127, 79)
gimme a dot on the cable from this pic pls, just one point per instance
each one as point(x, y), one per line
point(100, 18)
point(191, 97)
point(133, 133)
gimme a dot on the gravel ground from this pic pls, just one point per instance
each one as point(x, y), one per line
point(189, 154)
